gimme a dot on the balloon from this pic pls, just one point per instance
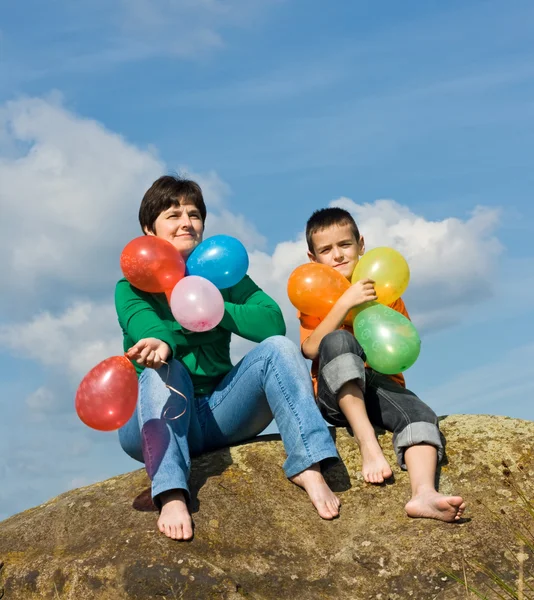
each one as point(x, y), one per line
point(197, 304)
point(388, 269)
point(107, 395)
point(389, 340)
point(152, 264)
point(220, 259)
point(314, 288)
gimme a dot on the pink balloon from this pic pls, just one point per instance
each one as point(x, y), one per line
point(197, 304)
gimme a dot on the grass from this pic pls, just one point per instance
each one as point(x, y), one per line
point(498, 585)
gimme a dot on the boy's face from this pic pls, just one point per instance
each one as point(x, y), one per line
point(337, 247)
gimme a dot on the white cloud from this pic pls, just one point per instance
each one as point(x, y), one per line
point(42, 401)
point(71, 196)
point(75, 341)
point(453, 261)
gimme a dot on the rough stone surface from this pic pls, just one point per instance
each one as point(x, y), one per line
point(258, 537)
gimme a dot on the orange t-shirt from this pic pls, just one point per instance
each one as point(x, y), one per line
point(309, 323)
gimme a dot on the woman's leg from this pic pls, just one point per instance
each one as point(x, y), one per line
point(272, 380)
point(159, 434)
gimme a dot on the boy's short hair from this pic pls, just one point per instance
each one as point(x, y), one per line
point(327, 217)
point(165, 192)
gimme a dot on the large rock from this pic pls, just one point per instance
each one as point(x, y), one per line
point(257, 536)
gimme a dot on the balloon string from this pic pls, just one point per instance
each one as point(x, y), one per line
point(176, 392)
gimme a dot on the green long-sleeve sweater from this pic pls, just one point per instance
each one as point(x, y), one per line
point(249, 313)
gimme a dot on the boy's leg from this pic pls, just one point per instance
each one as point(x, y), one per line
point(341, 389)
point(426, 501)
point(156, 437)
point(273, 380)
point(417, 443)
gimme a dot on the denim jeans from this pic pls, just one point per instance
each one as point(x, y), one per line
point(271, 380)
point(389, 405)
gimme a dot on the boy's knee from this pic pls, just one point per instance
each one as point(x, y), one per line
point(340, 342)
point(424, 414)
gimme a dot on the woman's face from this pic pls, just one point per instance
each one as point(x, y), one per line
point(182, 226)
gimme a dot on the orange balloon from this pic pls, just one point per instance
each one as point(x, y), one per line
point(314, 288)
point(107, 395)
point(152, 264)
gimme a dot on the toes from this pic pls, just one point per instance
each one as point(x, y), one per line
point(187, 531)
point(324, 510)
point(334, 508)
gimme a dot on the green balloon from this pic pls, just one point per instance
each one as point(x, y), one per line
point(389, 340)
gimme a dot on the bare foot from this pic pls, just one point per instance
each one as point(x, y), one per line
point(175, 521)
point(433, 505)
point(322, 497)
point(375, 467)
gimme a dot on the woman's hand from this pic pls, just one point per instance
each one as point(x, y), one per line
point(149, 352)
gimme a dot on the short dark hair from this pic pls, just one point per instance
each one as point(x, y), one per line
point(165, 192)
point(327, 217)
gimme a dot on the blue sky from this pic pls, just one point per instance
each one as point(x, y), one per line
point(418, 117)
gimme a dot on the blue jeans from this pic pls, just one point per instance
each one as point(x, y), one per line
point(271, 380)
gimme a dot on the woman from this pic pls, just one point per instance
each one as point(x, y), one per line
point(224, 404)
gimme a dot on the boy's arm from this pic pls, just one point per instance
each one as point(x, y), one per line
point(359, 293)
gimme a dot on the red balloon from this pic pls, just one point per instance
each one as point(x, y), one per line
point(107, 395)
point(152, 264)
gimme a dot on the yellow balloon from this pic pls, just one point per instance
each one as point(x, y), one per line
point(388, 269)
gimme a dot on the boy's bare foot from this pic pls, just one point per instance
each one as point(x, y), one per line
point(175, 521)
point(433, 505)
point(322, 497)
point(375, 467)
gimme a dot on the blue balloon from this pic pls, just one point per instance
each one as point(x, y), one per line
point(221, 259)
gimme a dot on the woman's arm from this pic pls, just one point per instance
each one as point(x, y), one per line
point(251, 313)
point(137, 316)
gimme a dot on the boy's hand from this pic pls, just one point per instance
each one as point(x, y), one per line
point(149, 352)
point(359, 293)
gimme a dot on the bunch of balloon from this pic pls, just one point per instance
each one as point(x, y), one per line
point(217, 263)
point(390, 340)
point(314, 288)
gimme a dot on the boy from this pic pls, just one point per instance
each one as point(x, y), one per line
point(351, 394)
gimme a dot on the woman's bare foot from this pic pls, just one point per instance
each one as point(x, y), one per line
point(375, 467)
point(175, 521)
point(433, 505)
point(322, 497)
